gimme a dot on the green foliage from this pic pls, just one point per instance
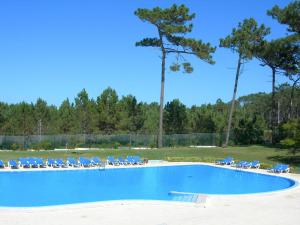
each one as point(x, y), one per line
point(175, 117)
point(127, 115)
point(43, 145)
point(187, 67)
point(201, 119)
point(245, 38)
point(85, 108)
point(279, 54)
point(175, 67)
point(66, 117)
point(15, 147)
point(107, 107)
point(131, 117)
point(151, 117)
point(249, 131)
point(172, 24)
point(290, 132)
point(290, 15)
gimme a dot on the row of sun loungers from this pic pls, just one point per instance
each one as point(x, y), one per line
point(70, 162)
point(241, 164)
point(130, 160)
point(279, 168)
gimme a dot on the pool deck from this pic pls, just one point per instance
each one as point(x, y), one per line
point(282, 208)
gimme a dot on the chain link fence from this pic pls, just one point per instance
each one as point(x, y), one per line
point(107, 141)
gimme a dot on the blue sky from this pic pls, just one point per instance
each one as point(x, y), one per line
point(52, 49)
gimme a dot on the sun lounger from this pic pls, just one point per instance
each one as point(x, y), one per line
point(60, 163)
point(138, 160)
point(95, 161)
point(123, 161)
point(111, 161)
point(2, 164)
point(24, 163)
point(33, 163)
point(84, 162)
point(226, 161)
point(255, 164)
point(73, 162)
point(13, 164)
point(130, 160)
point(52, 163)
point(40, 162)
point(243, 164)
point(280, 168)
point(283, 169)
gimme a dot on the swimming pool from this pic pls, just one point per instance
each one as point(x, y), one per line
point(46, 188)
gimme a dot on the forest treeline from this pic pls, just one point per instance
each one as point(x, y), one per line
point(111, 114)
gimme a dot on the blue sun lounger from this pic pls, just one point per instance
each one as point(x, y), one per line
point(255, 164)
point(13, 164)
point(130, 160)
point(138, 160)
point(84, 162)
point(40, 162)
point(280, 168)
point(95, 161)
point(73, 162)
point(33, 163)
point(123, 161)
point(226, 161)
point(24, 163)
point(52, 163)
point(111, 161)
point(243, 164)
point(60, 163)
point(2, 164)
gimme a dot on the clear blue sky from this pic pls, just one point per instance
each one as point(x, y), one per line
point(54, 48)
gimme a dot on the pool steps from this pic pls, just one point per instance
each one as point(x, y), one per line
point(188, 197)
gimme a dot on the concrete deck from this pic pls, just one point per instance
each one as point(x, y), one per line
point(282, 208)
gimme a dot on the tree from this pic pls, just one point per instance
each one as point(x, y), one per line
point(3, 108)
point(131, 118)
point(85, 110)
point(151, 115)
point(66, 117)
point(25, 118)
point(279, 56)
point(249, 131)
point(242, 41)
point(201, 120)
point(172, 25)
point(42, 115)
point(295, 80)
point(107, 107)
point(291, 135)
point(290, 15)
point(175, 117)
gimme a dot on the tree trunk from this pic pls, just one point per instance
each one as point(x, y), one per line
point(233, 100)
point(278, 112)
point(273, 122)
point(161, 107)
point(291, 103)
point(292, 99)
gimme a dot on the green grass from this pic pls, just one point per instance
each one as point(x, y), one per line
point(267, 156)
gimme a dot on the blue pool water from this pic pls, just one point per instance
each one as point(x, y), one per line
point(45, 188)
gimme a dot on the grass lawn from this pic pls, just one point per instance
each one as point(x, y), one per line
point(267, 156)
